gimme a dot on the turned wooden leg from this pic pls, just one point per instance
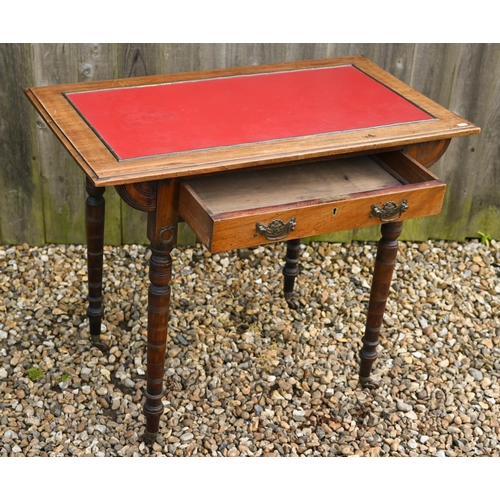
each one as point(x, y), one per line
point(162, 232)
point(94, 223)
point(290, 271)
point(382, 275)
point(160, 269)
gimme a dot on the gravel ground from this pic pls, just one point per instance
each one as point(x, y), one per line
point(246, 376)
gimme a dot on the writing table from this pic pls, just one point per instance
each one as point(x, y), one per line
point(251, 155)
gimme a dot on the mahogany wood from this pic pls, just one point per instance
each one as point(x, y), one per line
point(141, 195)
point(99, 164)
point(428, 153)
point(348, 208)
point(251, 190)
point(94, 218)
point(165, 187)
point(382, 276)
point(162, 233)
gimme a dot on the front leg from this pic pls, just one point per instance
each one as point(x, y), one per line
point(162, 233)
point(160, 271)
point(382, 275)
point(94, 224)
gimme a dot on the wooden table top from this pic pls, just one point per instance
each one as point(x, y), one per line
point(138, 129)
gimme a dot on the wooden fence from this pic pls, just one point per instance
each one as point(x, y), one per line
point(42, 193)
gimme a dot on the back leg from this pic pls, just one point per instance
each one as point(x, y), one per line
point(290, 271)
point(94, 218)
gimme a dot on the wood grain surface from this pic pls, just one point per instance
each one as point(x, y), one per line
point(327, 196)
point(104, 169)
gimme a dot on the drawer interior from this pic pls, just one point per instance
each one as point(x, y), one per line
point(204, 201)
point(306, 183)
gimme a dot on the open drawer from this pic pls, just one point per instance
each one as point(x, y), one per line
point(245, 208)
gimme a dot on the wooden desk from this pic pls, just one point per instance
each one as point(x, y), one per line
point(252, 155)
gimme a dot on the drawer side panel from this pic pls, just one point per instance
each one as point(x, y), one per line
point(192, 210)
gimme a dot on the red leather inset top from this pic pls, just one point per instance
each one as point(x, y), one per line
point(182, 116)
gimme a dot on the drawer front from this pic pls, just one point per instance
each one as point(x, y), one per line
point(420, 196)
point(282, 225)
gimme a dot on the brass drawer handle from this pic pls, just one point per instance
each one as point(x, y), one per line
point(276, 229)
point(388, 210)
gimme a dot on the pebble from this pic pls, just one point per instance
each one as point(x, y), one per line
point(103, 402)
point(85, 373)
point(182, 340)
point(320, 433)
point(401, 406)
point(127, 382)
point(478, 376)
point(8, 434)
point(246, 375)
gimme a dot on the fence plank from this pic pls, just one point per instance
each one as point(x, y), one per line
point(97, 61)
point(432, 74)
point(395, 58)
point(139, 59)
point(63, 185)
point(483, 152)
point(48, 204)
point(465, 79)
point(252, 54)
point(21, 209)
point(182, 57)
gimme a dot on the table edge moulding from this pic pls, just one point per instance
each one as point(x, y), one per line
point(248, 156)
